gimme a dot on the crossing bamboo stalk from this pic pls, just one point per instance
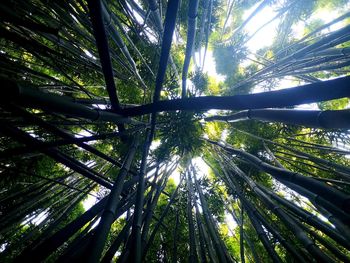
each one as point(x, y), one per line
point(314, 92)
point(329, 119)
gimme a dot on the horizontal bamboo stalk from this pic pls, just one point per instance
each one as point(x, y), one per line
point(328, 119)
point(35, 98)
point(315, 92)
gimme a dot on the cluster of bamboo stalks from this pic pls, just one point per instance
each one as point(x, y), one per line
point(55, 55)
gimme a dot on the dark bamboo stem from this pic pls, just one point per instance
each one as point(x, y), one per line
point(309, 93)
point(329, 119)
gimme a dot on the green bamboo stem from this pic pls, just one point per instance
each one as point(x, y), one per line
point(117, 242)
point(309, 218)
point(57, 155)
point(152, 205)
point(33, 118)
point(136, 249)
point(201, 30)
point(333, 249)
point(241, 240)
point(175, 234)
point(169, 27)
point(260, 7)
point(302, 154)
point(120, 43)
point(161, 30)
point(8, 153)
point(338, 19)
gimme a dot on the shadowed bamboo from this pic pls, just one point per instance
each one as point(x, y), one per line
point(95, 9)
point(193, 257)
point(57, 155)
point(191, 34)
point(201, 30)
point(338, 198)
point(59, 132)
point(345, 171)
point(161, 218)
point(220, 248)
point(232, 183)
point(200, 235)
point(309, 219)
point(98, 241)
point(26, 95)
point(241, 240)
point(117, 242)
point(152, 204)
point(50, 244)
point(329, 119)
point(285, 218)
point(120, 43)
point(175, 234)
point(8, 153)
point(169, 27)
point(314, 92)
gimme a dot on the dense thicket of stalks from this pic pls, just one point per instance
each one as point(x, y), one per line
point(90, 87)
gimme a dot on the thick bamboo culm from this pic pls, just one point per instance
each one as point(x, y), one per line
point(329, 119)
point(33, 97)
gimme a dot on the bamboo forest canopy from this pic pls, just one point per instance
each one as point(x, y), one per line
point(175, 131)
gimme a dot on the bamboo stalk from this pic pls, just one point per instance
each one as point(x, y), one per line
point(280, 213)
point(191, 34)
point(339, 199)
point(117, 242)
point(57, 155)
point(103, 50)
point(309, 93)
point(329, 119)
point(34, 119)
point(193, 257)
point(161, 218)
point(108, 216)
point(32, 97)
point(169, 26)
point(221, 250)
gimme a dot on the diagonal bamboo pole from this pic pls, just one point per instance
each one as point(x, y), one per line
point(98, 241)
